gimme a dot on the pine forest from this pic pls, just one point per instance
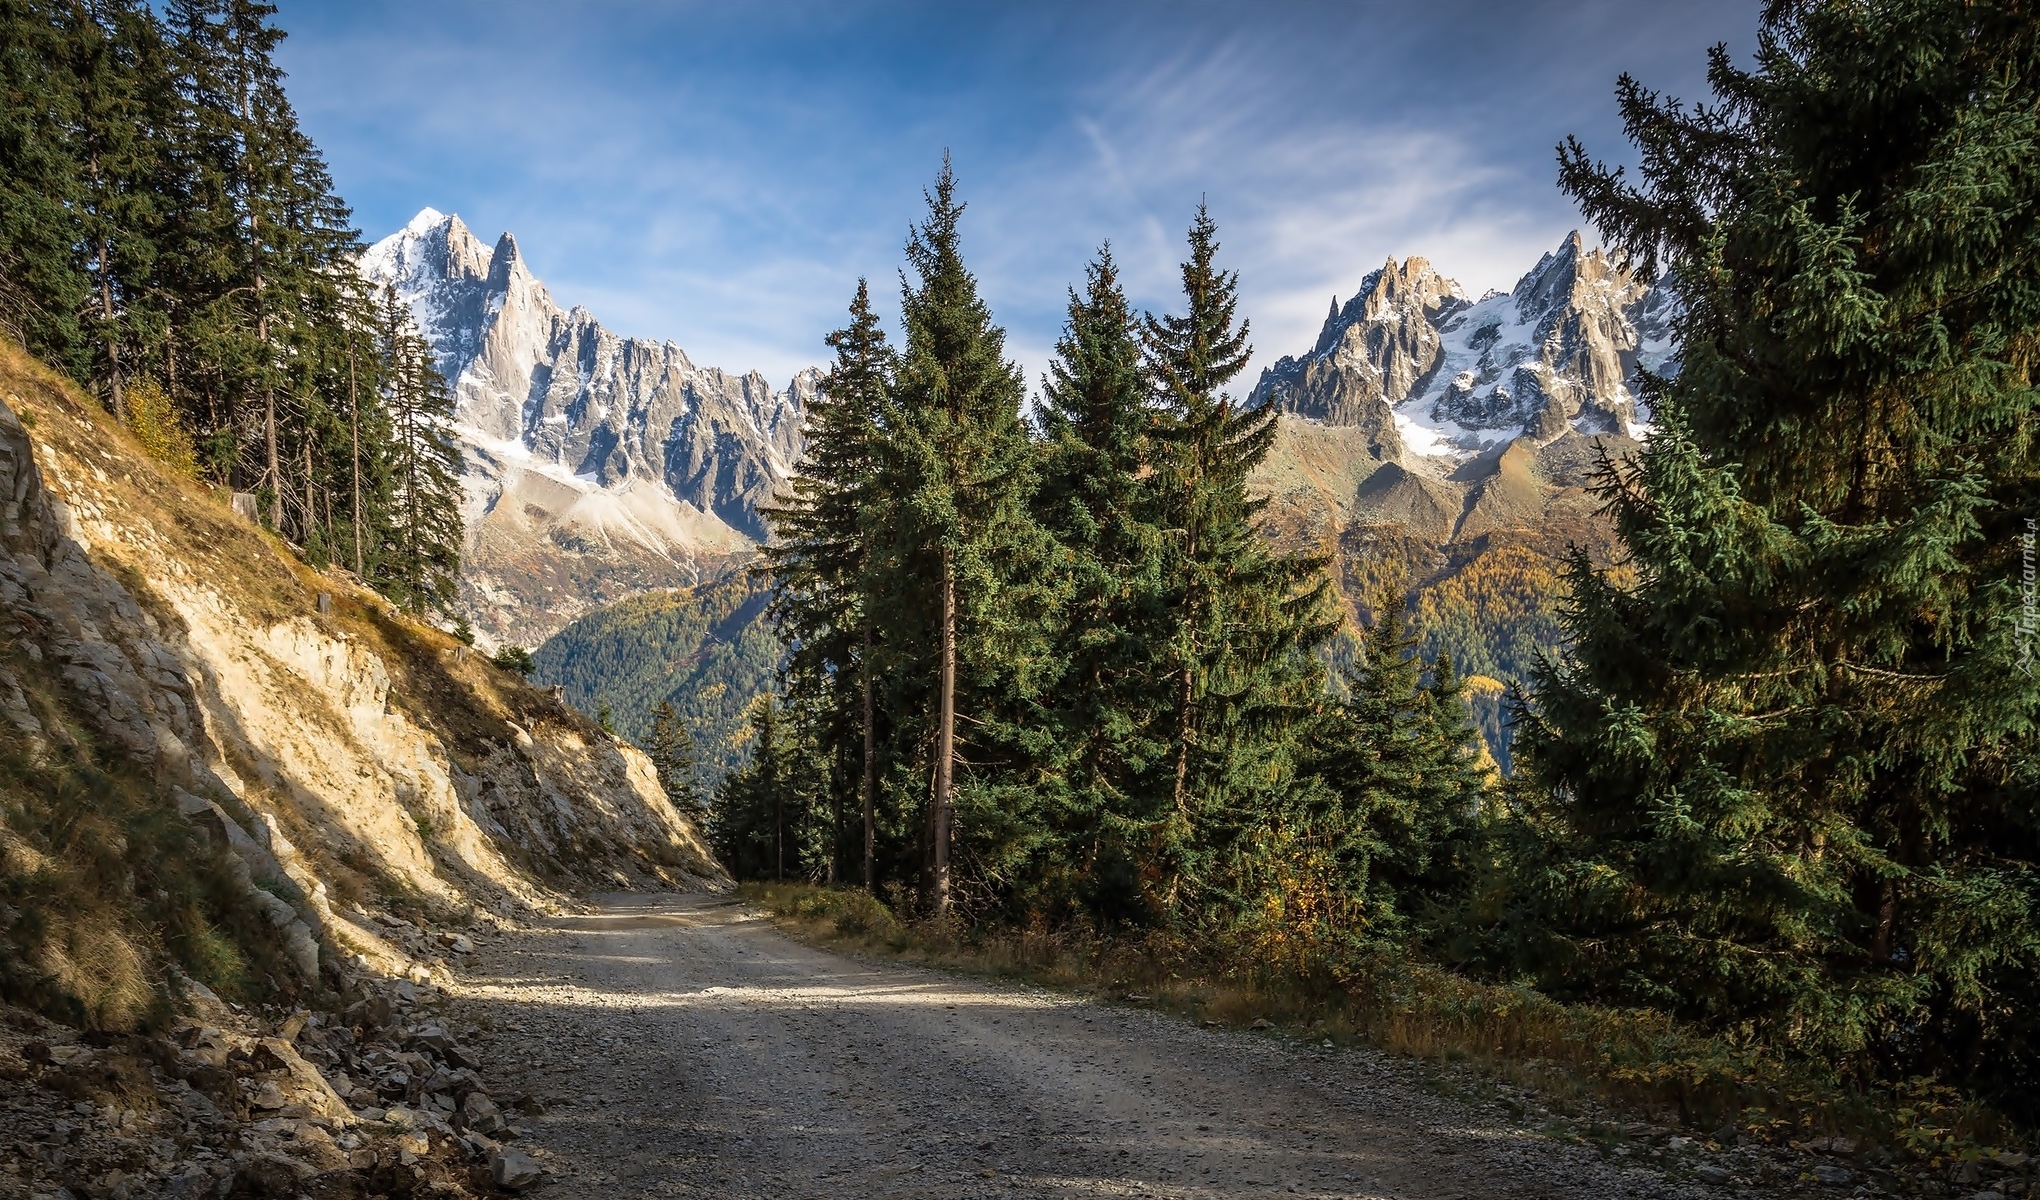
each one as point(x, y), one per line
point(171, 238)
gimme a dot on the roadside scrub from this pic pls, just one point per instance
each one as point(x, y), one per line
point(1578, 1060)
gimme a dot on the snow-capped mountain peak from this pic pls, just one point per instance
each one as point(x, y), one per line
point(634, 448)
point(1427, 371)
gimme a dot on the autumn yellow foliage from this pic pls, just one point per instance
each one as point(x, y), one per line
point(153, 420)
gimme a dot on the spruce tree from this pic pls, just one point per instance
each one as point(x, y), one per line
point(1107, 791)
point(672, 755)
point(1402, 783)
point(958, 551)
point(420, 561)
point(1241, 656)
point(764, 825)
point(1784, 779)
point(821, 557)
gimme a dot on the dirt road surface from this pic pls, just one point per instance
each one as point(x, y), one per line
point(684, 1047)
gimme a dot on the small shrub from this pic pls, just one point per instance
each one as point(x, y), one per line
point(152, 419)
point(514, 658)
point(212, 958)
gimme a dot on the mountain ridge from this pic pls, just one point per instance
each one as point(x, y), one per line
point(1430, 443)
point(1429, 371)
point(596, 466)
point(1442, 449)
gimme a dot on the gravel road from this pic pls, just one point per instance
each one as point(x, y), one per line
point(682, 1046)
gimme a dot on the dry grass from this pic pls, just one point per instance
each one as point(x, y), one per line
point(102, 886)
point(1579, 1057)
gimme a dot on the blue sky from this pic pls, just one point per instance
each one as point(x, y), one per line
point(721, 174)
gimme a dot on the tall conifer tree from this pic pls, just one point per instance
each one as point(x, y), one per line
point(672, 754)
point(764, 824)
point(821, 557)
point(1109, 781)
point(1247, 620)
point(1786, 777)
point(1402, 782)
point(958, 467)
point(420, 564)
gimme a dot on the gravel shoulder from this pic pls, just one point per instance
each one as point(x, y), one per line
point(683, 1046)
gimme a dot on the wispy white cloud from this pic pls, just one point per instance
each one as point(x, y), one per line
point(721, 175)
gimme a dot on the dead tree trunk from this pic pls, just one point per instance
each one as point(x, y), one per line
point(870, 787)
point(945, 745)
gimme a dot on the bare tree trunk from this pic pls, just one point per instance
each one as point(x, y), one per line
point(870, 788)
point(1185, 693)
point(311, 513)
point(945, 746)
point(112, 335)
point(275, 468)
point(830, 863)
point(1183, 743)
point(354, 440)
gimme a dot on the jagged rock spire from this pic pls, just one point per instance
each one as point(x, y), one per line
point(1555, 352)
point(621, 454)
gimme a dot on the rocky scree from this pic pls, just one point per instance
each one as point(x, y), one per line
point(381, 1097)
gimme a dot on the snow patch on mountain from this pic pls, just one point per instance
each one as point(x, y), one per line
point(1452, 378)
point(584, 449)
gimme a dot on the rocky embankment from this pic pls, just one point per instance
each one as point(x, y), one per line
point(235, 791)
point(381, 1095)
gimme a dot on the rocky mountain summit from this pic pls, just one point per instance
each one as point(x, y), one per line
point(597, 466)
point(1425, 370)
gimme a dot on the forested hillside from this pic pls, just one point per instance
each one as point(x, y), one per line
point(705, 650)
point(170, 238)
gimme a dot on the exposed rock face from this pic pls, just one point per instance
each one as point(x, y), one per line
point(597, 466)
point(1371, 355)
point(302, 734)
point(1428, 372)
